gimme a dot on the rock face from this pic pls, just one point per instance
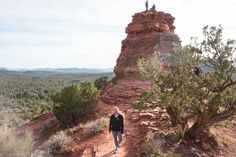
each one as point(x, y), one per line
point(124, 91)
point(150, 32)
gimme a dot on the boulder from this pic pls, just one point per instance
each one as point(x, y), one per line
point(153, 129)
point(134, 117)
point(144, 123)
point(147, 115)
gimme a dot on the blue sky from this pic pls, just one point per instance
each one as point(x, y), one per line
point(82, 33)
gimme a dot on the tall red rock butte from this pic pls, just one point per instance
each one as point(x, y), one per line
point(150, 32)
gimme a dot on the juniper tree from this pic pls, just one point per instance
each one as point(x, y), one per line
point(205, 99)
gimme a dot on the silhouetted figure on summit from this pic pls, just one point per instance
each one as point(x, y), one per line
point(146, 5)
point(153, 7)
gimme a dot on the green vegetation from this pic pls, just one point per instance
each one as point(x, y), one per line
point(101, 82)
point(74, 102)
point(24, 97)
point(206, 98)
point(104, 81)
point(12, 146)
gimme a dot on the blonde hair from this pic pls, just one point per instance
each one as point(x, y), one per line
point(118, 110)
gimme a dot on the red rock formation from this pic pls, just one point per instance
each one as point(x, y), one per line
point(150, 32)
point(124, 91)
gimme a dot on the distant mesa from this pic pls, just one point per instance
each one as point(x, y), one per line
point(149, 32)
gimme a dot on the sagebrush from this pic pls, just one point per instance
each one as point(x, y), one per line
point(56, 144)
point(13, 146)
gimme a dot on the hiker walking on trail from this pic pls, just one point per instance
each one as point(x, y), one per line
point(116, 126)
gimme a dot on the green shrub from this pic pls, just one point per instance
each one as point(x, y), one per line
point(101, 82)
point(12, 146)
point(113, 80)
point(74, 102)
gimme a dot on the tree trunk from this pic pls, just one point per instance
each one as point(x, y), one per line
point(207, 121)
point(173, 118)
point(195, 130)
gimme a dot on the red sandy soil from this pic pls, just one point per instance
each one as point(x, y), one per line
point(229, 136)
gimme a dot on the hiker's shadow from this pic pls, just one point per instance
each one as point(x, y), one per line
point(109, 154)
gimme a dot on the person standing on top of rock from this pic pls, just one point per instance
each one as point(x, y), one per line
point(146, 4)
point(116, 126)
point(153, 7)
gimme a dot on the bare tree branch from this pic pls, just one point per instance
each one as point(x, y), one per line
point(225, 85)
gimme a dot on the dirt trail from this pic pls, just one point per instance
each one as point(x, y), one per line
point(122, 94)
point(104, 144)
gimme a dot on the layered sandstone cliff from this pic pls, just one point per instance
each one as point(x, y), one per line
point(149, 32)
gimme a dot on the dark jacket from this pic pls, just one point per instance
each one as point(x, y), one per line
point(116, 123)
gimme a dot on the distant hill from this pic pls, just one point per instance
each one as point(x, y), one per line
point(3, 68)
point(74, 70)
point(45, 72)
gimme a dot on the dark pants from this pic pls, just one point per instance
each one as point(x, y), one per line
point(117, 138)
